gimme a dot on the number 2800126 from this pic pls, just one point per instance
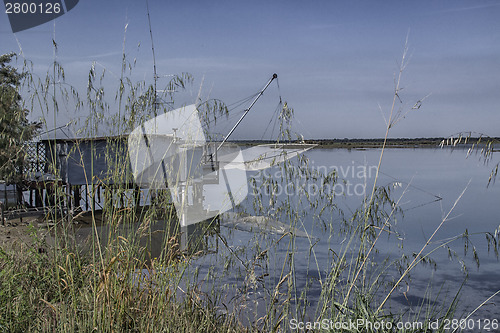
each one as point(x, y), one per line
point(32, 8)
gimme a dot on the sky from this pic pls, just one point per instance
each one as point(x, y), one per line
point(336, 60)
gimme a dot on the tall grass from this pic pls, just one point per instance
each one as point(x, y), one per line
point(116, 282)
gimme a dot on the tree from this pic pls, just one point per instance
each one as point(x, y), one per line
point(15, 129)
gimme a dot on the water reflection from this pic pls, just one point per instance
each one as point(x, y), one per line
point(248, 254)
point(427, 182)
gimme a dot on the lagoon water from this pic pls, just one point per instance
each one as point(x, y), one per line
point(427, 182)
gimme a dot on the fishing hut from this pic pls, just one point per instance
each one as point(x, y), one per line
point(68, 172)
point(83, 167)
point(74, 174)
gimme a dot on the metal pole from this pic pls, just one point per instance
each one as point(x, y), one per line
point(248, 109)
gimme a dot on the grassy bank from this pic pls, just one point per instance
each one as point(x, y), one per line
point(45, 289)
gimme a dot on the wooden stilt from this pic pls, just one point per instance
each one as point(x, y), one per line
point(122, 202)
point(137, 196)
point(93, 197)
point(86, 198)
point(5, 195)
point(1, 212)
point(69, 203)
point(77, 196)
point(47, 203)
point(19, 195)
point(38, 197)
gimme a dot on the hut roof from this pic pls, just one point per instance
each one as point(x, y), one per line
point(69, 133)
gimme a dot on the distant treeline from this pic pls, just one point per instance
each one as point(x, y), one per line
point(375, 143)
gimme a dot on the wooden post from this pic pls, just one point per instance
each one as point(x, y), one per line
point(6, 195)
point(47, 194)
point(38, 195)
point(69, 203)
point(76, 196)
point(86, 198)
point(137, 194)
point(122, 202)
point(19, 195)
point(93, 197)
point(1, 213)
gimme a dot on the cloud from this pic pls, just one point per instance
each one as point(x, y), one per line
point(209, 63)
point(102, 55)
point(323, 26)
point(461, 9)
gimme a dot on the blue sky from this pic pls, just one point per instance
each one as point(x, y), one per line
point(336, 60)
